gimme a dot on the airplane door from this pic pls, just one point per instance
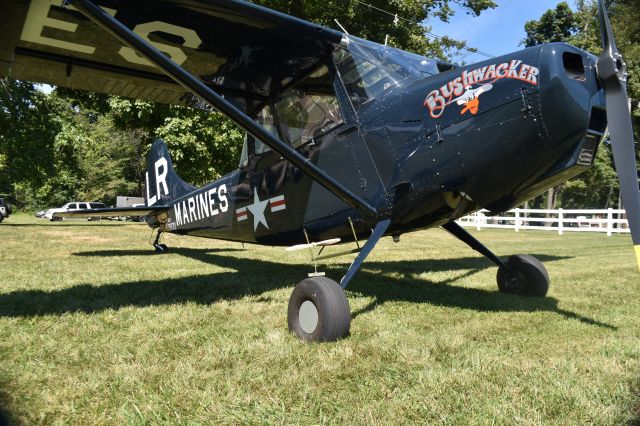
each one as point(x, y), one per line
point(311, 118)
point(343, 154)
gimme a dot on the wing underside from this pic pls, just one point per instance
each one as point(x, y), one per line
point(241, 50)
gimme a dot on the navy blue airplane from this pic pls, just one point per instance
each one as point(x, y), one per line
point(346, 139)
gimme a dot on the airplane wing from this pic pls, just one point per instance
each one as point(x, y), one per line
point(113, 212)
point(243, 51)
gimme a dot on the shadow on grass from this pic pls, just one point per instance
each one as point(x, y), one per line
point(5, 417)
point(395, 281)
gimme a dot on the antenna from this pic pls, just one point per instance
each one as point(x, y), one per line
point(341, 27)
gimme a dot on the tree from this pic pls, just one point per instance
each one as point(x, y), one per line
point(557, 24)
point(597, 187)
point(27, 132)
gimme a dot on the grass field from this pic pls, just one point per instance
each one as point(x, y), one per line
point(95, 329)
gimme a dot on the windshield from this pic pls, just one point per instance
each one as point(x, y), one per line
point(369, 69)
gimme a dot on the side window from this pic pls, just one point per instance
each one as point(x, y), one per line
point(265, 118)
point(73, 206)
point(310, 109)
point(251, 144)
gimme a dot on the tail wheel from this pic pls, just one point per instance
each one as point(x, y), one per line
point(319, 310)
point(160, 248)
point(525, 275)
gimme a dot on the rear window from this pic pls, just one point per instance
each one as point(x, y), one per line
point(96, 205)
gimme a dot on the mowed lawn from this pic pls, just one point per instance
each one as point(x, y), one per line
point(96, 329)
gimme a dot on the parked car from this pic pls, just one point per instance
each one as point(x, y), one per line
point(5, 209)
point(75, 205)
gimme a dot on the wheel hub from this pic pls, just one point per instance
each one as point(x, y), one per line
point(308, 317)
point(514, 281)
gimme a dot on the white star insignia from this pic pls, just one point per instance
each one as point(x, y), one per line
point(257, 210)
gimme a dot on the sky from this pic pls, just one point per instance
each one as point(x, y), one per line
point(497, 31)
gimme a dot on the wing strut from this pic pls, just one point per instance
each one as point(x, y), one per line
point(197, 87)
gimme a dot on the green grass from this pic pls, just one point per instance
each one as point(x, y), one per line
point(95, 329)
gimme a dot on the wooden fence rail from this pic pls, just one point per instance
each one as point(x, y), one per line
point(607, 221)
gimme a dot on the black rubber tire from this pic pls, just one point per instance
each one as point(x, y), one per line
point(159, 249)
point(1, 217)
point(334, 314)
point(526, 276)
point(164, 247)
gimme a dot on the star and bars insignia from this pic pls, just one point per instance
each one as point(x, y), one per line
point(258, 207)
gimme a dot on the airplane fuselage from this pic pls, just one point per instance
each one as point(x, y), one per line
point(488, 135)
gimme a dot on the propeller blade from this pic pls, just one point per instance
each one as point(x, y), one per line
point(624, 157)
point(611, 71)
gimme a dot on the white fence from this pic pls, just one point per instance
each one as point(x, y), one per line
point(608, 221)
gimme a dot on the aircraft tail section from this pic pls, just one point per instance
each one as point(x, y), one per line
point(162, 184)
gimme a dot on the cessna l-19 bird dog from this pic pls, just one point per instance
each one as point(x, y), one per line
point(346, 139)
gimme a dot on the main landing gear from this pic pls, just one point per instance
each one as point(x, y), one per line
point(319, 310)
point(519, 274)
point(318, 307)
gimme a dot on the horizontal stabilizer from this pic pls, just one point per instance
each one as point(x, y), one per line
point(114, 212)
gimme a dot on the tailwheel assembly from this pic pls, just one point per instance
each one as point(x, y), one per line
point(524, 275)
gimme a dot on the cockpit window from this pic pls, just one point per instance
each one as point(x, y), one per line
point(368, 69)
point(309, 109)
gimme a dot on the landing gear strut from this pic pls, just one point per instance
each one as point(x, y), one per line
point(160, 248)
point(519, 274)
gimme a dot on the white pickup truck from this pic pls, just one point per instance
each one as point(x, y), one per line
point(74, 205)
